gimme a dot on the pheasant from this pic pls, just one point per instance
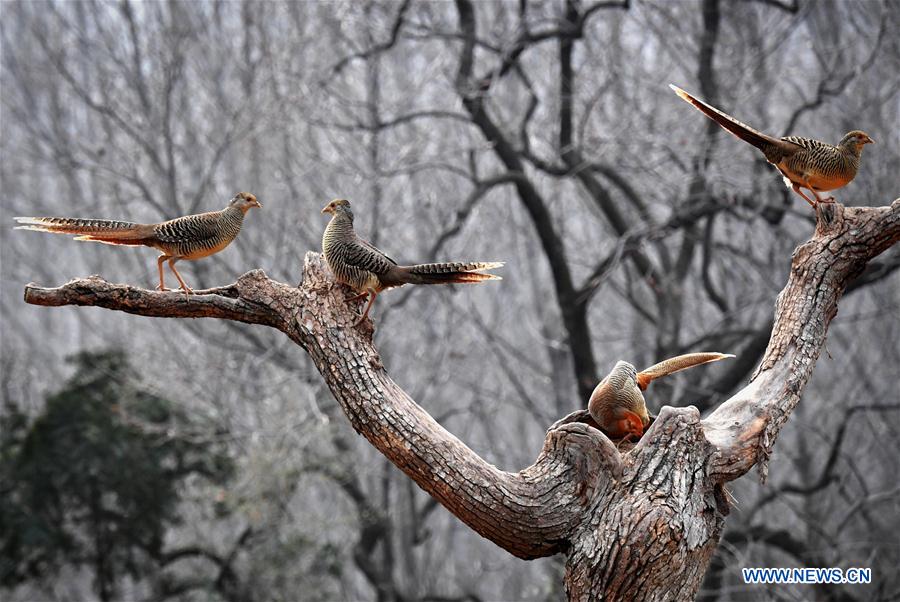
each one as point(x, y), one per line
point(804, 162)
point(617, 404)
point(189, 237)
point(368, 271)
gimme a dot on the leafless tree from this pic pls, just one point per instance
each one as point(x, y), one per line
point(639, 526)
point(541, 133)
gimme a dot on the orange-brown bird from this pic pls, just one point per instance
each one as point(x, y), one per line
point(190, 237)
point(617, 404)
point(804, 162)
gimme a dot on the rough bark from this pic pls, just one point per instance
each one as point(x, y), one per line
point(635, 524)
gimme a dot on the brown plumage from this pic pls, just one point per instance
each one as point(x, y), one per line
point(368, 271)
point(189, 237)
point(804, 162)
point(617, 404)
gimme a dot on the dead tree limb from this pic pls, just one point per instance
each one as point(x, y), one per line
point(640, 525)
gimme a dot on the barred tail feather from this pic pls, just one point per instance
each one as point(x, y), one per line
point(727, 122)
point(450, 273)
point(111, 240)
point(111, 232)
point(676, 364)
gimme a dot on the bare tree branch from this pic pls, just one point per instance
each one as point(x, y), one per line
point(580, 493)
point(831, 85)
point(574, 313)
point(792, 8)
point(316, 317)
point(745, 427)
point(827, 475)
point(378, 48)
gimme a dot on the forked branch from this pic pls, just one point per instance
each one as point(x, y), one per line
point(655, 510)
point(528, 513)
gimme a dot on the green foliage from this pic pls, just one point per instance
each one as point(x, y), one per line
point(94, 480)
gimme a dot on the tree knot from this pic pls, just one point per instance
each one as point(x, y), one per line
point(828, 217)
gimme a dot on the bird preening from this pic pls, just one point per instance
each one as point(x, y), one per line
point(190, 237)
point(617, 404)
point(803, 162)
point(368, 271)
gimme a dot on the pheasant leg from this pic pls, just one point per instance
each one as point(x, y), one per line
point(187, 290)
point(159, 263)
point(796, 188)
point(818, 198)
point(368, 307)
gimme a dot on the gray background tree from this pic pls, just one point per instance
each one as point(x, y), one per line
point(632, 230)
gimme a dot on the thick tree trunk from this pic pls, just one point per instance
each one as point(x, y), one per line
point(636, 524)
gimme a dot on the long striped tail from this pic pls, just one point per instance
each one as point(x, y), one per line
point(450, 273)
point(676, 364)
point(107, 231)
point(729, 123)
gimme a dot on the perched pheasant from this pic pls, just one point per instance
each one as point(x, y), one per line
point(617, 404)
point(367, 270)
point(189, 237)
point(804, 163)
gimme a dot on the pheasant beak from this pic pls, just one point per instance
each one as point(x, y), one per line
point(328, 209)
point(868, 141)
point(256, 203)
